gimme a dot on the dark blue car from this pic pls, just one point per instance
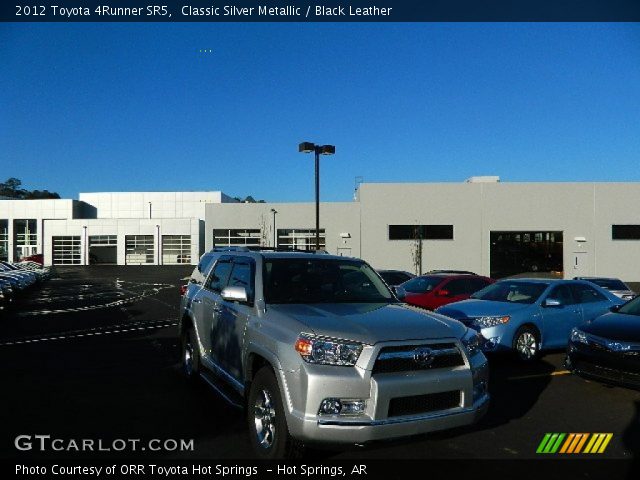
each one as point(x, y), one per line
point(530, 315)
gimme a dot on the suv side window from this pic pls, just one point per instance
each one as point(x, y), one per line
point(243, 275)
point(457, 286)
point(587, 294)
point(563, 294)
point(204, 265)
point(220, 275)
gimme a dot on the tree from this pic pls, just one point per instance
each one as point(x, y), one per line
point(11, 188)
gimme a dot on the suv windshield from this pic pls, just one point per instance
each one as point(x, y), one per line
point(421, 284)
point(514, 292)
point(304, 280)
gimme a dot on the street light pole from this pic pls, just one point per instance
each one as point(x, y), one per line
point(275, 237)
point(308, 147)
point(317, 153)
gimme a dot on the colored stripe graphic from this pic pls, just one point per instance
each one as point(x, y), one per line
point(574, 443)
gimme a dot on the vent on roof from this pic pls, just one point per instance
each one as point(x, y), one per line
point(484, 179)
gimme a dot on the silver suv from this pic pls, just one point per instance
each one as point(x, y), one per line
point(317, 348)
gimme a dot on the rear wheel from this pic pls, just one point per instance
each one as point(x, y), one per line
point(190, 355)
point(526, 343)
point(268, 429)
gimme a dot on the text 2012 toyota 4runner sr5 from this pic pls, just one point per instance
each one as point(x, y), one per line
point(319, 349)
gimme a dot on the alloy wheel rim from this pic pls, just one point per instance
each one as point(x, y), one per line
point(264, 418)
point(526, 345)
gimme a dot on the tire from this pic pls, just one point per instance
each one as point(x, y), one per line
point(266, 420)
point(526, 344)
point(190, 354)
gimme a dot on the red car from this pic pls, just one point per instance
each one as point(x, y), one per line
point(433, 291)
point(38, 258)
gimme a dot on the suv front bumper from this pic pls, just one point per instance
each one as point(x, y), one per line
point(313, 383)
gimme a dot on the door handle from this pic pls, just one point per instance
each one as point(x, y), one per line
point(196, 300)
point(216, 309)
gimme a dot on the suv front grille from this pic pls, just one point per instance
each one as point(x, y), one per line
point(407, 358)
point(418, 404)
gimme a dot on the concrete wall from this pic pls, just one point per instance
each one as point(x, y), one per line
point(122, 228)
point(584, 210)
point(153, 204)
point(335, 218)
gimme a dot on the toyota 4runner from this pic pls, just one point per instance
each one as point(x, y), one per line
point(317, 348)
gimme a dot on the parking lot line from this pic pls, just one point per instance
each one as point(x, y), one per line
point(539, 375)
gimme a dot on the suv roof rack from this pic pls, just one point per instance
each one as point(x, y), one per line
point(266, 249)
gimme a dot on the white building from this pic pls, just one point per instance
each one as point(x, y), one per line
point(124, 228)
point(483, 225)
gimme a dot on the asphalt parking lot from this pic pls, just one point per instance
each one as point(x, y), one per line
point(94, 353)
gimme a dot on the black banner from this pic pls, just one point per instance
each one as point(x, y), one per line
point(323, 11)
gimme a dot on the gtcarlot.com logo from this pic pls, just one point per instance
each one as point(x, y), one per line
point(572, 443)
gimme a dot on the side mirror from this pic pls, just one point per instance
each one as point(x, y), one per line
point(551, 302)
point(400, 292)
point(442, 293)
point(615, 308)
point(234, 294)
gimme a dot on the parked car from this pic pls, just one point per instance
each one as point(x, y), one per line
point(433, 291)
point(614, 285)
point(527, 316)
point(395, 277)
point(452, 272)
point(37, 258)
point(24, 279)
point(608, 348)
point(30, 275)
point(319, 349)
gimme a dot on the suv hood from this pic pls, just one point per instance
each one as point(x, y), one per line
point(372, 323)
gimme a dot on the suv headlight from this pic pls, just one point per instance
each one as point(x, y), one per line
point(327, 351)
point(578, 336)
point(492, 321)
point(471, 342)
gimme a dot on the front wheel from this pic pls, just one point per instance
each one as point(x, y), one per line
point(526, 344)
point(190, 355)
point(266, 419)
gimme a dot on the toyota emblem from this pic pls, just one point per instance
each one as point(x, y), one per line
point(423, 356)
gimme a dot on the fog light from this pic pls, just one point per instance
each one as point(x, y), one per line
point(336, 406)
point(330, 406)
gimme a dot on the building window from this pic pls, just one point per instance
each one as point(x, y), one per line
point(138, 249)
point(176, 249)
point(67, 250)
point(625, 232)
point(4, 240)
point(425, 232)
point(300, 238)
point(103, 240)
point(243, 237)
point(26, 235)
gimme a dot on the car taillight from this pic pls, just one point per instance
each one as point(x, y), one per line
point(183, 289)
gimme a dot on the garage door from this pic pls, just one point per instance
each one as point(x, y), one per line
point(67, 250)
point(176, 249)
point(139, 249)
point(103, 249)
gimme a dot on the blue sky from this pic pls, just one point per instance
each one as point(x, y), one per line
point(117, 107)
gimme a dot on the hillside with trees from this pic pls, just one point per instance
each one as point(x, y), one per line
point(12, 188)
